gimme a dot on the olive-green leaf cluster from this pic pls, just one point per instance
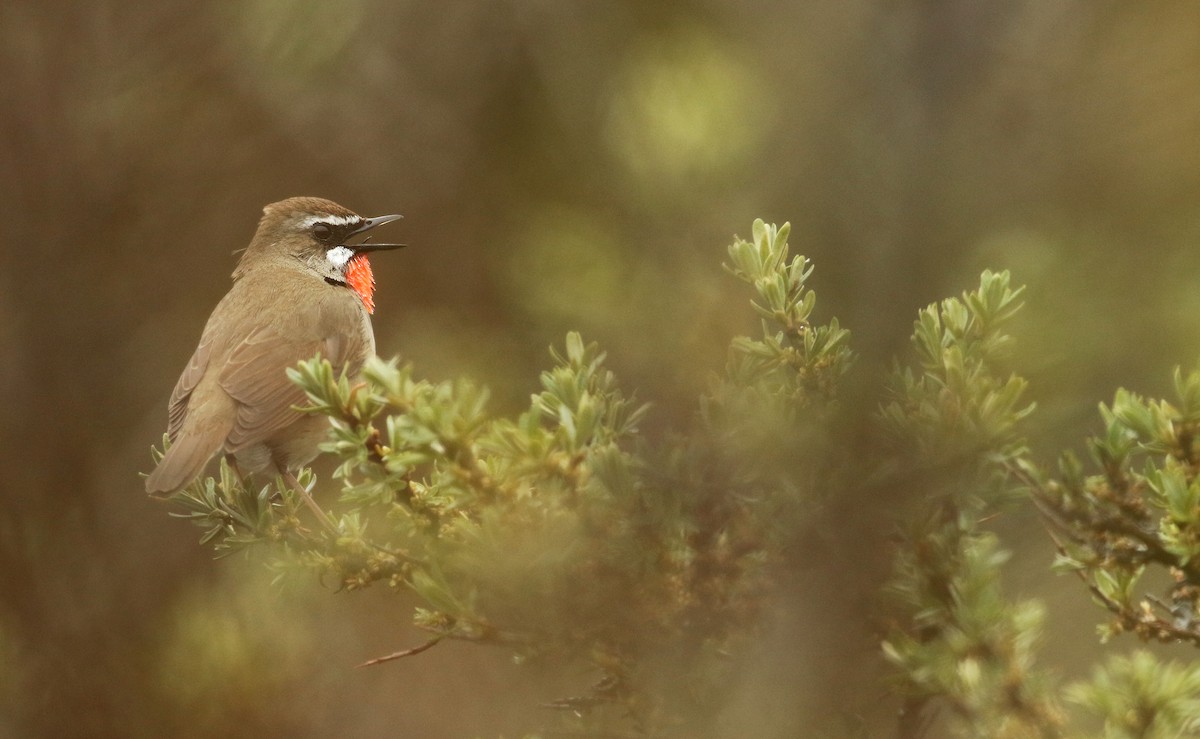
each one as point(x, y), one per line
point(795, 363)
point(956, 405)
point(953, 637)
point(771, 419)
point(562, 533)
point(1140, 697)
point(965, 643)
point(1139, 513)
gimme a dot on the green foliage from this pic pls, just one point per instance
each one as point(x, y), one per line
point(953, 421)
point(956, 405)
point(1139, 697)
point(233, 516)
point(769, 417)
point(561, 533)
point(794, 363)
point(1141, 513)
point(965, 643)
point(564, 535)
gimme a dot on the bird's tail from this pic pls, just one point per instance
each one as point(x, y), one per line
point(182, 463)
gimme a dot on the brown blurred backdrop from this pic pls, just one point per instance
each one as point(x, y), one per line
point(560, 165)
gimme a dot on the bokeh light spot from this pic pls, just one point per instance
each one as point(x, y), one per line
point(683, 106)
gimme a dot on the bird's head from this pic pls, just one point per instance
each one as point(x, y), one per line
point(325, 237)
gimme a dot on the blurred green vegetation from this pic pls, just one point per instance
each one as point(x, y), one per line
point(565, 535)
point(560, 166)
point(224, 652)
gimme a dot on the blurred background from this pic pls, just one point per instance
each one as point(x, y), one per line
point(560, 166)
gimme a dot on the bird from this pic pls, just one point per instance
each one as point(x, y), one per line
point(300, 289)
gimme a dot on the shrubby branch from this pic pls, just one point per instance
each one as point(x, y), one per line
point(565, 534)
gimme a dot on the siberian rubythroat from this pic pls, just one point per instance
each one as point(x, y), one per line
point(301, 288)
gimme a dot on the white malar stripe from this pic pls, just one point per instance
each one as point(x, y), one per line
point(339, 255)
point(331, 220)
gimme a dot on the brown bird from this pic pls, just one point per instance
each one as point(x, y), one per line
point(299, 289)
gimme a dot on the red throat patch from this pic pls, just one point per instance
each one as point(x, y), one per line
point(360, 279)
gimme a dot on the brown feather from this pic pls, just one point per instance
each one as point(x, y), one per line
point(177, 410)
point(255, 374)
point(200, 437)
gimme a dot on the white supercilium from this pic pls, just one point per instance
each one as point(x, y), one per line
point(329, 219)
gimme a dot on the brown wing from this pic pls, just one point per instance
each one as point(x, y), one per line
point(178, 407)
point(255, 375)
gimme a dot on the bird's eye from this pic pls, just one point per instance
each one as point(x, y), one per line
point(322, 232)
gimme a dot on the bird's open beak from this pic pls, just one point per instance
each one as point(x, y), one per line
point(369, 224)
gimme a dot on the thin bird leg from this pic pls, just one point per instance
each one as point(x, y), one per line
point(295, 485)
point(233, 465)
